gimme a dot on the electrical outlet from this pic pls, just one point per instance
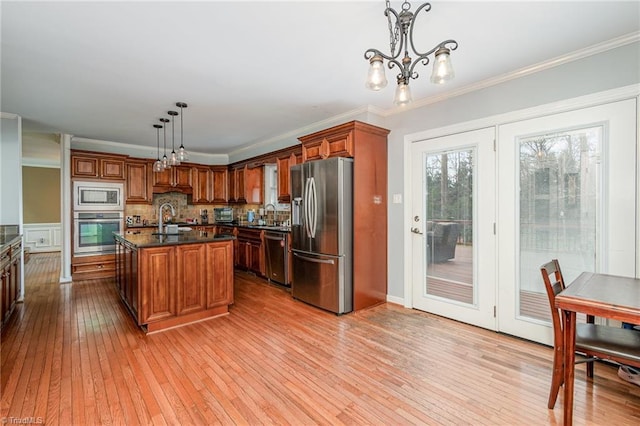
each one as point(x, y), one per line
point(397, 198)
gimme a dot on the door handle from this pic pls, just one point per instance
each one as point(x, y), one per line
point(416, 231)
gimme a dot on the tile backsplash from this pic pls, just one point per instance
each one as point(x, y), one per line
point(185, 212)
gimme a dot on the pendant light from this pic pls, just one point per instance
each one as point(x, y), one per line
point(165, 162)
point(157, 166)
point(182, 153)
point(173, 160)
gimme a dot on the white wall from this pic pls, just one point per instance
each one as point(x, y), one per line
point(10, 170)
point(604, 71)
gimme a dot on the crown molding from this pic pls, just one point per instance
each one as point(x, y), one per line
point(541, 66)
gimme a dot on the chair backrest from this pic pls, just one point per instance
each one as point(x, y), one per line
point(554, 284)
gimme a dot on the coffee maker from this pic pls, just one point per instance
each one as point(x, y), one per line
point(204, 216)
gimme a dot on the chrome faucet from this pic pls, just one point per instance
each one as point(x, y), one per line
point(173, 213)
point(266, 210)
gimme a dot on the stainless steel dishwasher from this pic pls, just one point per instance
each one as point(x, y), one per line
point(277, 254)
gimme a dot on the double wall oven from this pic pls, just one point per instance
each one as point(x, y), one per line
point(98, 212)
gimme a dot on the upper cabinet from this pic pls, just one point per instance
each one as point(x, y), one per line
point(245, 185)
point(138, 182)
point(175, 179)
point(220, 184)
point(89, 165)
point(202, 185)
point(335, 142)
point(284, 172)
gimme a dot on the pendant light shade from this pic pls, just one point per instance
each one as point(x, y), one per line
point(157, 166)
point(173, 160)
point(182, 153)
point(376, 79)
point(403, 94)
point(442, 68)
point(165, 161)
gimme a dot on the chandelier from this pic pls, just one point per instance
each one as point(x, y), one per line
point(175, 158)
point(401, 27)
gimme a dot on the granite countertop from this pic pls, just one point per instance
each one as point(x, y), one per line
point(191, 237)
point(8, 239)
point(191, 225)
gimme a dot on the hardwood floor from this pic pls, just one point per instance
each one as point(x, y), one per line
point(74, 356)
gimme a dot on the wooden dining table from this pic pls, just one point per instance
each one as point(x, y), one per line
point(600, 295)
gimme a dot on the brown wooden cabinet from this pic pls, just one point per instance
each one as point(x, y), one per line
point(220, 184)
point(10, 277)
point(157, 296)
point(173, 285)
point(175, 179)
point(202, 185)
point(91, 267)
point(191, 270)
point(284, 173)
point(236, 185)
point(367, 144)
point(253, 184)
point(138, 182)
point(91, 165)
point(250, 250)
point(335, 142)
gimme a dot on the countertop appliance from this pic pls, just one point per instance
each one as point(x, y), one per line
point(277, 254)
point(98, 196)
point(322, 233)
point(223, 214)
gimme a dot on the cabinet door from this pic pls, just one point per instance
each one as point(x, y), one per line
point(253, 181)
point(111, 168)
point(158, 298)
point(191, 279)
point(256, 261)
point(219, 271)
point(138, 183)
point(163, 178)
point(183, 177)
point(243, 254)
point(202, 187)
point(84, 167)
point(236, 186)
point(220, 185)
point(284, 167)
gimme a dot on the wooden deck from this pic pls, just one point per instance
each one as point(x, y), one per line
point(73, 356)
point(454, 280)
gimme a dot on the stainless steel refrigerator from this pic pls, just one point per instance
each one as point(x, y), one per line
point(322, 233)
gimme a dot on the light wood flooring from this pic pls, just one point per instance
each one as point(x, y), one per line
point(73, 356)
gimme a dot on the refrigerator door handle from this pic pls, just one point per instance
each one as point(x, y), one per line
point(314, 208)
point(307, 207)
point(314, 260)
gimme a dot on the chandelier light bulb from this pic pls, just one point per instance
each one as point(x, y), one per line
point(442, 68)
point(376, 79)
point(403, 94)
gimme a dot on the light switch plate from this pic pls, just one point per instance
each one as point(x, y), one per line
point(397, 198)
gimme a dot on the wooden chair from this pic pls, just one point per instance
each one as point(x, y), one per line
point(619, 345)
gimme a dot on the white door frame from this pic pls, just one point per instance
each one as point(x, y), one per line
point(622, 93)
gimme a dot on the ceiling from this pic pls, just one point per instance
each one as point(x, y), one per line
point(253, 71)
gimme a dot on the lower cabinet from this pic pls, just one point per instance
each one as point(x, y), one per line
point(91, 267)
point(10, 277)
point(176, 284)
point(250, 252)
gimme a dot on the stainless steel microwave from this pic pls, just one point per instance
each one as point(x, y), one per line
point(98, 196)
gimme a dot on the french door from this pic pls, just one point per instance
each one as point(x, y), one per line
point(567, 189)
point(453, 215)
point(560, 186)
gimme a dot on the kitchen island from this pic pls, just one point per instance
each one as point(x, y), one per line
point(171, 280)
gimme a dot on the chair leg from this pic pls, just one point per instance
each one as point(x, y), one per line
point(590, 368)
point(558, 377)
